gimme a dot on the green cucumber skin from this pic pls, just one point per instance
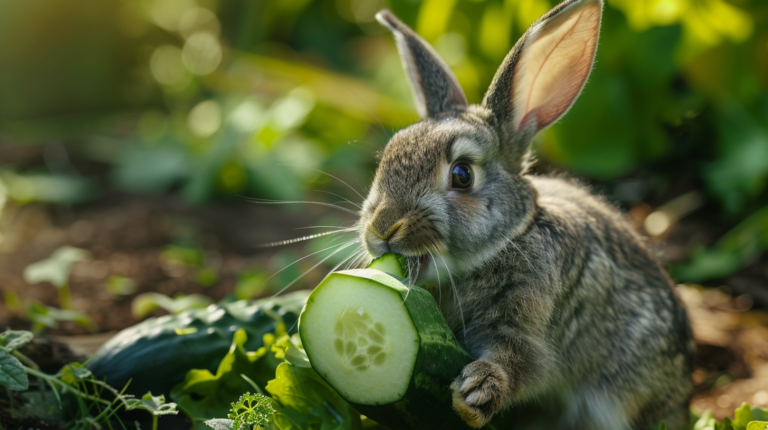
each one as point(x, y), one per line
point(427, 403)
point(155, 358)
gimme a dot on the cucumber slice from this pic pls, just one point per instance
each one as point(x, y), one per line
point(371, 341)
point(393, 358)
point(390, 263)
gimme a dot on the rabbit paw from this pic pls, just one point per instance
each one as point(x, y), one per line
point(479, 392)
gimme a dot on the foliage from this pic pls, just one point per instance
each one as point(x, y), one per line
point(144, 304)
point(305, 401)
point(251, 410)
point(204, 395)
point(147, 354)
point(155, 405)
point(43, 316)
point(740, 246)
point(55, 269)
point(83, 402)
point(220, 100)
point(120, 285)
point(745, 418)
point(300, 398)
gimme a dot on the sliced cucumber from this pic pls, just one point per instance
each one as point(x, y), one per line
point(393, 358)
point(370, 341)
point(390, 263)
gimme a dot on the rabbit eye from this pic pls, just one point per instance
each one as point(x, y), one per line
point(461, 176)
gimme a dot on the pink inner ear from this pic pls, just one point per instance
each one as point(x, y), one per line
point(554, 66)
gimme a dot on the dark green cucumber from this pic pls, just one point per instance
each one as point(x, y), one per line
point(385, 349)
point(157, 353)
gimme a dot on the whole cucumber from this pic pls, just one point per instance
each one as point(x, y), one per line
point(157, 353)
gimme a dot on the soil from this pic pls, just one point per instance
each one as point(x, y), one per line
point(127, 234)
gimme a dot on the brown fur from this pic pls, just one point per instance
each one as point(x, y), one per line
point(543, 282)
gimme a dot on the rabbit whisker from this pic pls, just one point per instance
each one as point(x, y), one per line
point(288, 202)
point(352, 258)
point(346, 259)
point(302, 258)
point(341, 248)
point(341, 197)
point(359, 259)
point(437, 273)
point(329, 175)
point(455, 296)
point(364, 260)
point(325, 226)
point(301, 239)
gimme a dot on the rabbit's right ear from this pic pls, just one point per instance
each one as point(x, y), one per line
point(544, 73)
point(434, 86)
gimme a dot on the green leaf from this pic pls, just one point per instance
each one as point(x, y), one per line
point(250, 410)
point(742, 416)
point(155, 405)
point(120, 285)
point(11, 340)
point(74, 372)
point(758, 425)
point(289, 348)
point(705, 422)
point(151, 169)
point(738, 247)
point(204, 395)
point(26, 188)
point(145, 303)
point(55, 269)
point(760, 414)
point(305, 401)
point(220, 424)
point(12, 374)
point(47, 316)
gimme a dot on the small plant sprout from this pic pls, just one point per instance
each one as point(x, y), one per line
point(56, 269)
point(251, 411)
point(155, 405)
point(96, 402)
point(145, 303)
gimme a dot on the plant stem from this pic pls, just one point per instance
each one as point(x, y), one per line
point(154, 422)
point(26, 360)
point(65, 297)
point(65, 386)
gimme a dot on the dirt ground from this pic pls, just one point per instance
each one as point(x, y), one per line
point(126, 235)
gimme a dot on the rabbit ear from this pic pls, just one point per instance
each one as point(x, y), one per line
point(434, 86)
point(544, 73)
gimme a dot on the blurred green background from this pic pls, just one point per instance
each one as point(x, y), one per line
point(213, 100)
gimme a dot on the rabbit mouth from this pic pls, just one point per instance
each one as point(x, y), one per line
point(417, 266)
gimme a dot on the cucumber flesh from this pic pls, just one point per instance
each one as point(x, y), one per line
point(384, 347)
point(361, 356)
point(390, 263)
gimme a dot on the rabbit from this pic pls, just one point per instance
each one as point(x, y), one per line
point(548, 287)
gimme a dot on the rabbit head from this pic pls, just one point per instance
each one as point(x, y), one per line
point(450, 190)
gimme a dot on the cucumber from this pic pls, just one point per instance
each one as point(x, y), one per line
point(157, 353)
point(392, 358)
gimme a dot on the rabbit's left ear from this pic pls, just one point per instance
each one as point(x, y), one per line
point(434, 86)
point(545, 72)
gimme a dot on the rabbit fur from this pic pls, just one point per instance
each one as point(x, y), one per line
point(544, 283)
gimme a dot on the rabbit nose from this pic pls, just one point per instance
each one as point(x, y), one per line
point(391, 232)
point(385, 222)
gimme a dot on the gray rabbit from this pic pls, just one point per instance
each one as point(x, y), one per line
point(543, 282)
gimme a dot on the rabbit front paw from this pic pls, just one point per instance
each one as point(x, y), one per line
point(479, 392)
